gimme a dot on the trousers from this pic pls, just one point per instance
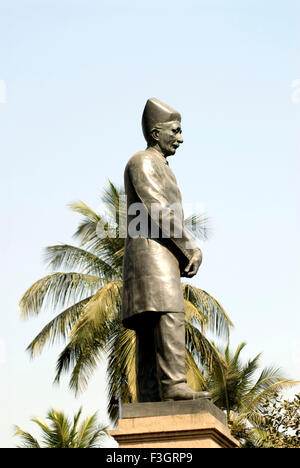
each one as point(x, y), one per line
point(160, 354)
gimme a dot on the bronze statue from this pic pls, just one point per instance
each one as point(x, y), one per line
point(157, 254)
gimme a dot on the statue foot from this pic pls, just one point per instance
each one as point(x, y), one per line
point(183, 392)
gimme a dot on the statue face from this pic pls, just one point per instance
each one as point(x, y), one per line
point(169, 137)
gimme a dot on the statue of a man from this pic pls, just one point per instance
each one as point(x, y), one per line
point(155, 259)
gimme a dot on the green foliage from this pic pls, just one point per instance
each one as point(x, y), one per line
point(281, 425)
point(243, 396)
point(87, 303)
point(59, 432)
point(90, 296)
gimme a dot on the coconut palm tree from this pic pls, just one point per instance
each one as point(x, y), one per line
point(235, 390)
point(59, 432)
point(90, 299)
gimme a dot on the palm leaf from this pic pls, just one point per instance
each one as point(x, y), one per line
point(71, 257)
point(81, 208)
point(83, 353)
point(48, 438)
point(73, 431)
point(234, 360)
point(103, 306)
point(86, 431)
point(121, 367)
point(86, 364)
point(96, 437)
point(112, 199)
point(88, 234)
point(57, 290)
point(198, 226)
point(60, 429)
point(193, 315)
point(28, 440)
point(202, 350)
point(210, 310)
point(60, 433)
point(57, 328)
point(268, 376)
point(275, 385)
point(245, 377)
point(195, 378)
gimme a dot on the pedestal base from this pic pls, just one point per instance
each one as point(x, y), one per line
point(180, 424)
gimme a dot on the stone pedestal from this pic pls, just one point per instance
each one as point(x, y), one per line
point(173, 424)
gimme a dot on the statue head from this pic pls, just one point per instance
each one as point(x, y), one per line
point(162, 126)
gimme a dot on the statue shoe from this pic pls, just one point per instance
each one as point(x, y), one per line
point(183, 392)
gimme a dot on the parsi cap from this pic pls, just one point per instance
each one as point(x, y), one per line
point(156, 112)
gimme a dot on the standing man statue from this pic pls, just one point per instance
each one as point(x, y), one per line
point(155, 258)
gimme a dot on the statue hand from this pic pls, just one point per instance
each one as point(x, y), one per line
point(194, 264)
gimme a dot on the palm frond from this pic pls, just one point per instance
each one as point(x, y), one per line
point(57, 328)
point(86, 363)
point(89, 433)
point(99, 234)
point(87, 231)
point(275, 385)
point(60, 426)
point(103, 241)
point(86, 430)
point(61, 433)
point(81, 208)
point(234, 360)
point(83, 353)
point(195, 378)
point(71, 257)
point(99, 434)
point(259, 437)
point(112, 199)
point(210, 310)
point(267, 377)
point(73, 430)
point(121, 374)
point(104, 305)
point(47, 435)
point(202, 350)
point(57, 290)
point(246, 374)
point(28, 440)
point(198, 226)
point(193, 315)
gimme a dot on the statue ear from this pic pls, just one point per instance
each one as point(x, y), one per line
point(155, 134)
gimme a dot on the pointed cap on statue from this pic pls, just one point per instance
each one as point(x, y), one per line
point(157, 112)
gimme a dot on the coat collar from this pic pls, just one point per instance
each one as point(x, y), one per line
point(158, 154)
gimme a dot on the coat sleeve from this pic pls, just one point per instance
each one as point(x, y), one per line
point(147, 179)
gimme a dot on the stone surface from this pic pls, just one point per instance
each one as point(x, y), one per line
point(197, 429)
point(165, 408)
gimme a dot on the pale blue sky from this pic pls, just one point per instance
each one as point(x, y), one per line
point(76, 75)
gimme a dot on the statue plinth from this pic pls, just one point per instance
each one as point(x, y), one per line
point(173, 424)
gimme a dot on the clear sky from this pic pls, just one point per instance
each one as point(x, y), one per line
point(74, 78)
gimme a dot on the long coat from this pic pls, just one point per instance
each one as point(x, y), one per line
point(153, 260)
